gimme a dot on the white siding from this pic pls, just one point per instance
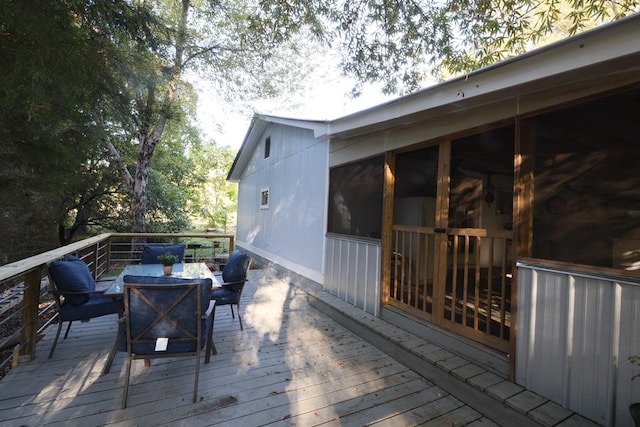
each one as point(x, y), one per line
point(291, 231)
point(575, 334)
point(353, 272)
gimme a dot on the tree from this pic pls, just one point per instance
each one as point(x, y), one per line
point(402, 44)
point(52, 167)
point(56, 177)
point(79, 77)
point(217, 199)
point(237, 46)
point(214, 37)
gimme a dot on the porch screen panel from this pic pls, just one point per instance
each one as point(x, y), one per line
point(413, 232)
point(355, 198)
point(586, 207)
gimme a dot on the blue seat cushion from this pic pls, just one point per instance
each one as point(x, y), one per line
point(172, 346)
point(95, 306)
point(150, 253)
point(236, 267)
point(72, 275)
point(226, 296)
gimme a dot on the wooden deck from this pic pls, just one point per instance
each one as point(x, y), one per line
point(292, 365)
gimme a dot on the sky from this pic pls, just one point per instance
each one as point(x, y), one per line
point(326, 99)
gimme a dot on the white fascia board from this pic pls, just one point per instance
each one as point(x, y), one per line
point(319, 127)
point(605, 43)
point(251, 140)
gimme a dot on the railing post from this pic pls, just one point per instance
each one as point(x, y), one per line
point(94, 255)
point(30, 302)
point(108, 254)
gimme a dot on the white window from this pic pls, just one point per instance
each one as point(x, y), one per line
point(264, 198)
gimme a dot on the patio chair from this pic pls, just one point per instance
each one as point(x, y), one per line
point(234, 276)
point(166, 317)
point(75, 295)
point(150, 253)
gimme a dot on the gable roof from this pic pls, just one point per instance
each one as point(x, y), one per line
point(259, 123)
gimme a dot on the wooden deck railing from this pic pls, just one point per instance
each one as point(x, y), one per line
point(23, 283)
point(460, 279)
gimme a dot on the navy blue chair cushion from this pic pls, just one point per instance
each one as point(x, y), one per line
point(163, 300)
point(226, 295)
point(235, 269)
point(96, 306)
point(150, 253)
point(72, 275)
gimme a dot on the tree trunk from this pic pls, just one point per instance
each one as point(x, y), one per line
point(147, 141)
point(140, 183)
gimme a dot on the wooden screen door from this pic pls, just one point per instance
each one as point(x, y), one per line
point(451, 236)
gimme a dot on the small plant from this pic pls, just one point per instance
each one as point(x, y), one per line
point(167, 258)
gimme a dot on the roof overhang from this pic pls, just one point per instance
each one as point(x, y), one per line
point(610, 52)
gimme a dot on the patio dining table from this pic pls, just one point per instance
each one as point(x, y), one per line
point(196, 270)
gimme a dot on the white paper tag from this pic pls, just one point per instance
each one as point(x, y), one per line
point(161, 344)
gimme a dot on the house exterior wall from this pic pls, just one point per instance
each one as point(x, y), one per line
point(572, 340)
point(576, 332)
point(290, 232)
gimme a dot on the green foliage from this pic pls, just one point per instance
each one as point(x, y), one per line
point(52, 166)
point(95, 121)
point(211, 205)
point(167, 258)
point(402, 44)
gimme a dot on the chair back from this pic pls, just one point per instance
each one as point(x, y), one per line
point(165, 319)
point(70, 278)
point(150, 253)
point(163, 313)
point(236, 269)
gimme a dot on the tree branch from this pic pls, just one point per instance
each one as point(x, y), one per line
point(115, 153)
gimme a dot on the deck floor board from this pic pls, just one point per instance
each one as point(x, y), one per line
point(292, 365)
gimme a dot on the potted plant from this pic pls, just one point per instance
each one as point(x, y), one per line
point(634, 408)
point(167, 259)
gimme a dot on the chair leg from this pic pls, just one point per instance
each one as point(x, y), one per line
point(211, 347)
point(67, 332)
point(239, 316)
point(195, 382)
point(113, 352)
point(232, 315)
point(55, 340)
point(125, 394)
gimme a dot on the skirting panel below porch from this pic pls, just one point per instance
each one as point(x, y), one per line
point(352, 271)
